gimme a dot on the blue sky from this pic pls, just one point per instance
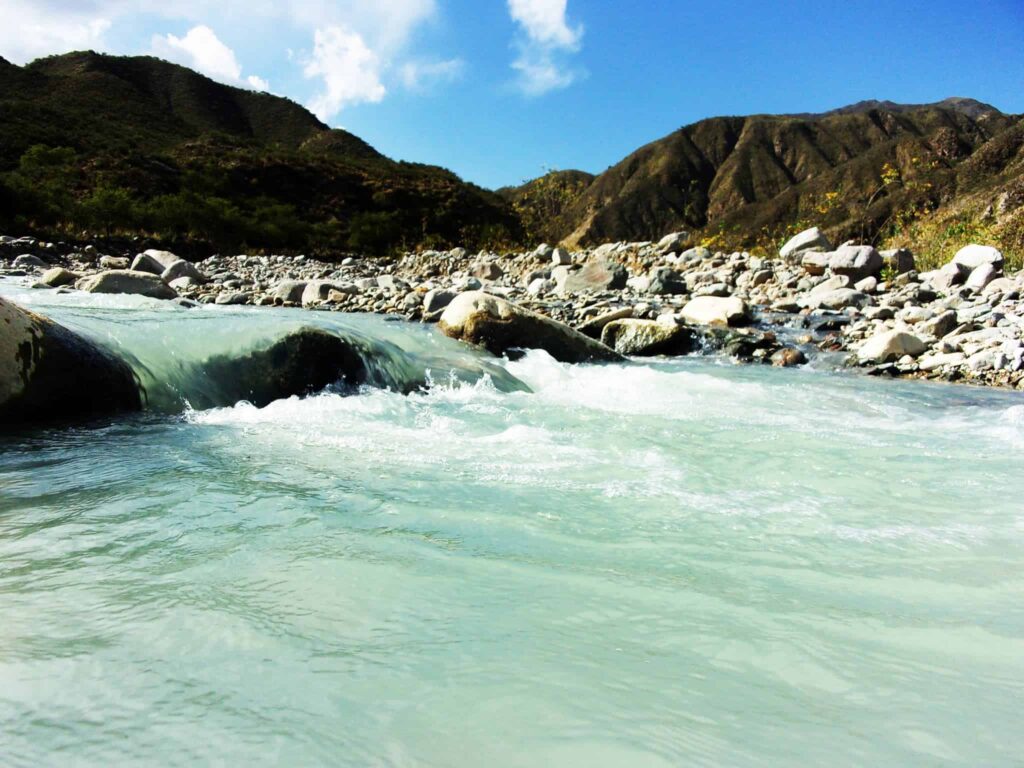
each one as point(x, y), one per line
point(500, 90)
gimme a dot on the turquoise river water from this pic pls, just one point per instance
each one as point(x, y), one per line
point(667, 563)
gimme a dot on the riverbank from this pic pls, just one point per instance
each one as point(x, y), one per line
point(963, 323)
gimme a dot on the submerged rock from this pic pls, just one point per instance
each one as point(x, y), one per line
point(127, 281)
point(50, 374)
point(304, 362)
point(499, 326)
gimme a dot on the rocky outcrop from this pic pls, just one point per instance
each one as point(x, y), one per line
point(49, 374)
point(499, 326)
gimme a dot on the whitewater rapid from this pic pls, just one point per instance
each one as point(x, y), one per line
point(647, 564)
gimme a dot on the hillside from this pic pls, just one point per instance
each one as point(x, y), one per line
point(859, 171)
point(83, 137)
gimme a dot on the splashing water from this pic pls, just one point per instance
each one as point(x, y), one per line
point(677, 562)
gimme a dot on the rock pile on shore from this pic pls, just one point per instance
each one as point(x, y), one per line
point(963, 322)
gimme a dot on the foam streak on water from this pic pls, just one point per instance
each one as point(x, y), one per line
point(681, 563)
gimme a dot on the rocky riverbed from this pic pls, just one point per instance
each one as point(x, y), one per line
point(963, 322)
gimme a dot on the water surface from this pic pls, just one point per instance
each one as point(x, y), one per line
point(666, 563)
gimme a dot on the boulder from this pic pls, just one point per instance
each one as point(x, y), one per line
point(898, 260)
point(700, 253)
point(713, 310)
point(981, 276)
point(499, 326)
point(940, 326)
point(596, 275)
point(233, 298)
point(815, 263)
point(436, 300)
point(666, 282)
point(154, 261)
point(127, 281)
point(51, 374)
point(318, 291)
point(855, 261)
point(809, 240)
point(594, 326)
point(288, 292)
point(946, 278)
point(543, 252)
point(647, 338)
point(486, 270)
point(392, 283)
point(973, 256)
point(888, 346)
point(58, 276)
point(561, 257)
point(673, 242)
point(182, 268)
point(838, 298)
point(113, 262)
point(28, 261)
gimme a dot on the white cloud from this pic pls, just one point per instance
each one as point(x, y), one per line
point(420, 75)
point(203, 51)
point(547, 39)
point(32, 29)
point(545, 23)
point(357, 44)
point(349, 69)
point(257, 83)
point(358, 48)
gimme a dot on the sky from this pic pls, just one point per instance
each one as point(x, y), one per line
point(500, 91)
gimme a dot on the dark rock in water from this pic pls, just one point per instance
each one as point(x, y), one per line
point(647, 338)
point(787, 357)
point(499, 325)
point(49, 374)
point(747, 345)
point(302, 363)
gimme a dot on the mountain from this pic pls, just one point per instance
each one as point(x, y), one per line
point(857, 171)
point(225, 159)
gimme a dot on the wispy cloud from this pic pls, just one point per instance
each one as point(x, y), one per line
point(546, 40)
point(421, 75)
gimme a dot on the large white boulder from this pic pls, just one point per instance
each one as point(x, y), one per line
point(715, 310)
point(973, 256)
point(809, 240)
point(888, 346)
point(499, 326)
point(127, 281)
